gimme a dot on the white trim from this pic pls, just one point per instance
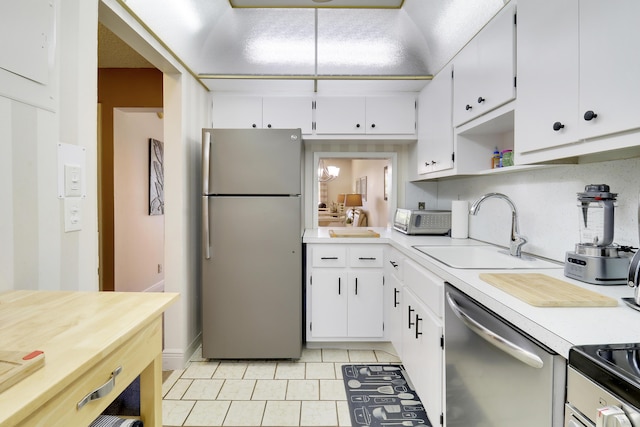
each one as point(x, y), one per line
point(157, 287)
point(174, 358)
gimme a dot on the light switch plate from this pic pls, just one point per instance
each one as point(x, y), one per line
point(72, 214)
point(72, 181)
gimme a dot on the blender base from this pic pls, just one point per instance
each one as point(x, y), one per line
point(597, 270)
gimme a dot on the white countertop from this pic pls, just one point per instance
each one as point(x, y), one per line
point(559, 328)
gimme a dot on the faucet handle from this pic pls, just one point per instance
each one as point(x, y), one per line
point(515, 248)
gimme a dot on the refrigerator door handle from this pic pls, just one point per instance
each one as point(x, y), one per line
point(206, 237)
point(206, 153)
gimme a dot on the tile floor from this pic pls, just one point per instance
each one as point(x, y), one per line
point(306, 392)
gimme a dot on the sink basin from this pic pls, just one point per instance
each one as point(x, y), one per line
point(483, 257)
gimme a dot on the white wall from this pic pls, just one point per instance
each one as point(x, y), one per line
point(35, 252)
point(546, 203)
point(138, 236)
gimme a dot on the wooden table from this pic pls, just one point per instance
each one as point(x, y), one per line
point(86, 337)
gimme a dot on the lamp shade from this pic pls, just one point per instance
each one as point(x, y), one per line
point(353, 200)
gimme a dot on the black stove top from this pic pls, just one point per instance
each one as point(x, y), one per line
point(615, 367)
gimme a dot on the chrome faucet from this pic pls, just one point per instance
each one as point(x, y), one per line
point(517, 240)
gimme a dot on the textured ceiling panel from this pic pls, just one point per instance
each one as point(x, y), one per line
point(260, 41)
point(447, 25)
point(369, 42)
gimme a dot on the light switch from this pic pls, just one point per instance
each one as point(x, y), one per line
point(72, 181)
point(72, 214)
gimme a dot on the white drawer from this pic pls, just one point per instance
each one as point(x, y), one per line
point(428, 287)
point(366, 256)
point(329, 256)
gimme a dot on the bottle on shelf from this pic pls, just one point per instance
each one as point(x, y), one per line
point(495, 159)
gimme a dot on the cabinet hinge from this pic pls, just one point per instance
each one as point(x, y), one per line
point(452, 73)
point(441, 419)
point(515, 19)
point(383, 326)
point(313, 105)
point(453, 156)
point(382, 280)
point(313, 125)
point(515, 81)
point(442, 342)
point(310, 280)
point(311, 326)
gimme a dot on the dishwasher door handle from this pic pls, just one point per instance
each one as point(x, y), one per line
point(493, 338)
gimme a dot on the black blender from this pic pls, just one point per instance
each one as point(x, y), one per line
point(596, 259)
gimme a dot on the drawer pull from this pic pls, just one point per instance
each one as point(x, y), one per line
point(395, 297)
point(101, 391)
point(411, 310)
point(328, 257)
point(418, 320)
point(362, 258)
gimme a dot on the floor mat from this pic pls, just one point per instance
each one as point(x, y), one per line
point(382, 395)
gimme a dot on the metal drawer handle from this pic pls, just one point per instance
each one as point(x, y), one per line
point(491, 337)
point(101, 391)
point(329, 257)
point(367, 258)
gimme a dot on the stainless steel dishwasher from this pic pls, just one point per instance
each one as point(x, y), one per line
point(496, 376)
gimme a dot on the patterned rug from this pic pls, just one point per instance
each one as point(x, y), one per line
point(382, 395)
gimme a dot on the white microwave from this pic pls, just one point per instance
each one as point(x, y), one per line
point(410, 221)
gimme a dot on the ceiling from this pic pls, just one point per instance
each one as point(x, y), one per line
point(305, 48)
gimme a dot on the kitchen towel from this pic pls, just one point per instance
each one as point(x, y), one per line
point(459, 219)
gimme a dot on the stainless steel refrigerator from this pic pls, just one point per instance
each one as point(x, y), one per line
point(252, 244)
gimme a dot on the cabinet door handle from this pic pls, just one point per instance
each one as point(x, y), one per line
point(418, 319)
point(367, 259)
point(373, 125)
point(269, 125)
point(328, 257)
point(356, 286)
point(411, 310)
point(393, 264)
point(357, 125)
point(468, 107)
point(254, 125)
point(557, 126)
point(101, 391)
point(480, 100)
point(339, 287)
point(395, 297)
point(590, 115)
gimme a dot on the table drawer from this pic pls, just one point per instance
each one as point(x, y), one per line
point(329, 256)
point(366, 256)
point(134, 355)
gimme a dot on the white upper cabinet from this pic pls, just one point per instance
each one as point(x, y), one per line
point(359, 115)
point(236, 112)
point(577, 76)
point(278, 112)
point(284, 112)
point(484, 70)
point(609, 66)
point(340, 115)
point(435, 130)
point(548, 61)
point(391, 115)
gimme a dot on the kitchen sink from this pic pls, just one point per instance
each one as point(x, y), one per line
point(484, 257)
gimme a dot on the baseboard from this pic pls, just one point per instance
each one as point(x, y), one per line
point(157, 287)
point(353, 345)
point(174, 358)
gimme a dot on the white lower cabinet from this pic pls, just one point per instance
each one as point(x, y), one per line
point(422, 337)
point(393, 298)
point(345, 293)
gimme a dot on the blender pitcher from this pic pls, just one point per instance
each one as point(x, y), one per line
point(596, 215)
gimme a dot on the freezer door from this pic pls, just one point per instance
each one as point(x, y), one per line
point(252, 284)
point(251, 161)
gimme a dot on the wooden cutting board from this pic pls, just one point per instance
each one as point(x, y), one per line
point(353, 233)
point(16, 365)
point(541, 290)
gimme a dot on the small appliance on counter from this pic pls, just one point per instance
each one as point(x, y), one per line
point(596, 259)
point(411, 221)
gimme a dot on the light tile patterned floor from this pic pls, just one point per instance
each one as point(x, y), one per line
point(307, 392)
